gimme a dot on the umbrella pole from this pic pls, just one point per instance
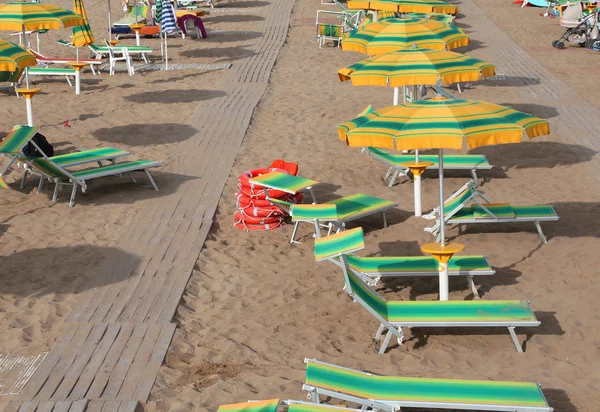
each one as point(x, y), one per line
point(443, 266)
point(26, 71)
point(166, 53)
point(396, 95)
point(109, 22)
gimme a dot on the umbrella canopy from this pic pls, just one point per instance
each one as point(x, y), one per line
point(14, 58)
point(19, 16)
point(416, 66)
point(396, 34)
point(82, 35)
point(441, 123)
point(167, 18)
point(405, 6)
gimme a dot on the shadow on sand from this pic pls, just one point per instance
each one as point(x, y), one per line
point(146, 134)
point(175, 96)
point(222, 54)
point(230, 18)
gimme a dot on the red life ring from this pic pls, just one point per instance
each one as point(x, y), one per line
point(240, 216)
point(248, 227)
point(257, 191)
point(243, 202)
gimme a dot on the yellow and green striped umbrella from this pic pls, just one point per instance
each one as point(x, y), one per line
point(416, 66)
point(14, 57)
point(405, 6)
point(396, 34)
point(441, 123)
point(82, 35)
point(21, 16)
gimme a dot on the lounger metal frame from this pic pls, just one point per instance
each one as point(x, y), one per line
point(492, 219)
point(314, 393)
point(75, 182)
point(395, 328)
point(395, 171)
point(372, 278)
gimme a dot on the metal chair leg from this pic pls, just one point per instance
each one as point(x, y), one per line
point(40, 184)
point(73, 194)
point(541, 233)
point(24, 178)
point(473, 287)
point(513, 335)
point(152, 182)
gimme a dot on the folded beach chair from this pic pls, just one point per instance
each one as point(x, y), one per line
point(394, 392)
point(327, 29)
point(46, 61)
point(13, 144)
point(393, 315)
point(335, 213)
point(457, 211)
point(134, 14)
point(472, 163)
point(371, 269)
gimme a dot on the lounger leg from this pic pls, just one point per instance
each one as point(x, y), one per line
point(131, 177)
point(473, 288)
point(475, 178)
point(151, 180)
point(388, 173)
point(386, 341)
point(24, 179)
point(313, 396)
point(317, 229)
point(394, 177)
point(384, 219)
point(73, 194)
point(69, 81)
point(513, 335)
point(55, 194)
point(539, 229)
point(40, 184)
point(329, 228)
point(293, 239)
point(379, 332)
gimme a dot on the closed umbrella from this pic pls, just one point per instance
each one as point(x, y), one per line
point(404, 33)
point(441, 123)
point(82, 34)
point(416, 67)
point(167, 25)
point(14, 58)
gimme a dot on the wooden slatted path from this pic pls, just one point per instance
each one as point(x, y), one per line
point(117, 335)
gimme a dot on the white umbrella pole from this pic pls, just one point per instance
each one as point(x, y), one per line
point(166, 53)
point(29, 111)
point(443, 266)
point(26, 71)
point(396, 95)
point(109, 20)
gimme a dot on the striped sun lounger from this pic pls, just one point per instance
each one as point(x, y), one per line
point(336, 212)
point(100, 51)
point(393, 315)
point(13, 144)
point(61, 176)
point(272, 405)
point(371, 269)
point(457, 211)
point(472, 163)
point(394, 392)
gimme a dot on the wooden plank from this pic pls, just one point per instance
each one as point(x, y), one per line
point(130, 406)
point(46, 406)
point(125, 360)
point(142, 392)
point(41, 374)
point(94, 406)
point(111, 406)
point(103, 374)
point(12, 406)
point(79, 406)
point(142, 357)
point(82, 358)
point(91, 369)
point(29, 406)
point(62, 406)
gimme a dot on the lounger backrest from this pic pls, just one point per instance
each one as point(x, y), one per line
point(17, 139)
point(310, 212)
point(460, 198)
point(339, 244)
point(367, 296)
point(424, 391)
point(298, 406)
point(260, 406)
point(282, 181)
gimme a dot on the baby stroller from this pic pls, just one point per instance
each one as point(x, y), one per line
point(581, 28)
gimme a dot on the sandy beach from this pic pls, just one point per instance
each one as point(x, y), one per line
point(256, 306)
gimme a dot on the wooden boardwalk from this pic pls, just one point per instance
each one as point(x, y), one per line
point(117, 335)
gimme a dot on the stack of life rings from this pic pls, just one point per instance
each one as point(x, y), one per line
point(254, 210)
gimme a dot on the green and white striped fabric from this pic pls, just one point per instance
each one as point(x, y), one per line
point(426, 392)
point(14, 142)
point(425, 265)
point(270, 405)
point(450, 161)
point(339, 244)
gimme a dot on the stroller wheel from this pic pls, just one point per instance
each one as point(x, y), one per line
point(555, 43)
point(560, 45)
